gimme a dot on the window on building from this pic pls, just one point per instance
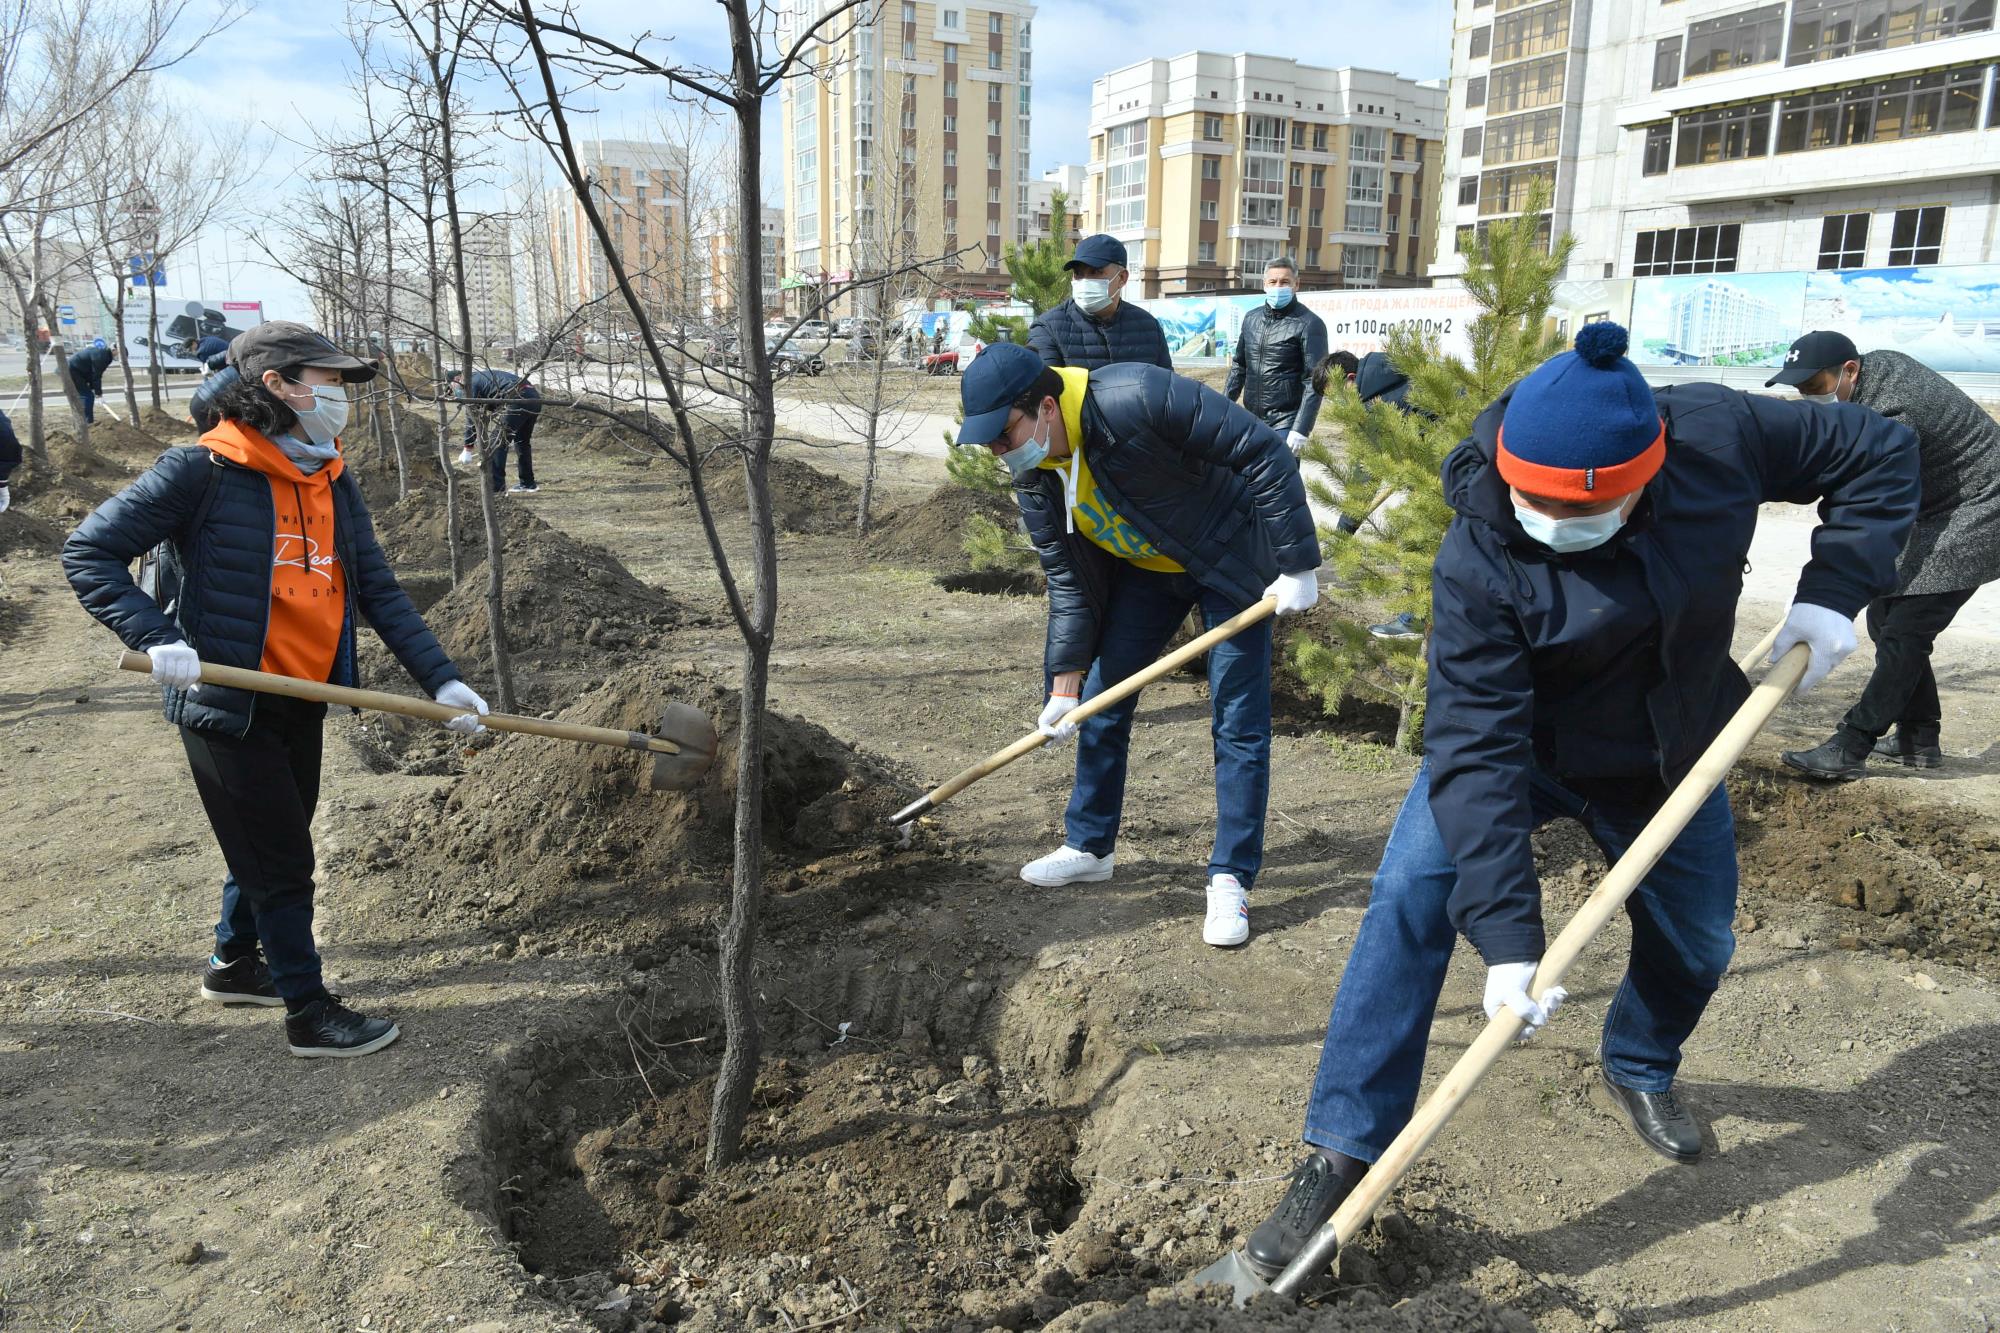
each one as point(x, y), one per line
point(1312, 256)
point(1291, 217)
point(1843, 240)
point(1473, 138)
point(909, 50)
point(1525, 86)
point(1749, 37)
point(1264, 134)
point(1468, 190)
point(951, 157)
point(1659, 149)
point(1360, 266)
point(1205, 252)
point(1318, 178)
point(1367, 144)
point(950, 88)
point(1917, 237)
point(1482, 43)
point(949, 19)
point(993, 161)
point(1667, 62)
point(1523, 138)
point(1532, 32)
point(1508, 189)
point(1395, 224)
point(992, 194)
point(993, 127)
point(1319, 138)
point(1475, 91)
point(909, 13)
point(993, 23)
point(1727, 135)
point(1908, 108)
point(951, 53)
point(1211, 168)
point(1298, 176)
point(993, 60)
point(993, 94)
point(1256, 256)
point(1261, 210)
point(1211, 127)
point(1830, 29)
point(1264, 176)
point(1298, 135)
point(1125, 177)
point(1686, 250)
point(1209, 210)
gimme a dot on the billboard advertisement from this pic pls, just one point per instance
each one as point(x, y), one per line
point(1202, 328)
point(1717, 319)
point(1579, 303)
point(1947, 318)
point(183, 324)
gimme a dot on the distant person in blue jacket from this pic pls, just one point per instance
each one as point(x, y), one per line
point(1582, 602)
point(86, 371)
point(510, 405)
point(1096, 326)
point(10, 458)
point(209, 347)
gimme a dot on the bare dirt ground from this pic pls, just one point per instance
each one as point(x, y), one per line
point(984, 1105)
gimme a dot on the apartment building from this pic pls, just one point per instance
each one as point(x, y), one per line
point(489, 279)
point(1711, 136)
point(911, 144)
point(1069, 180)
point(641, 188)
point(715, 238)
point(1209, 165)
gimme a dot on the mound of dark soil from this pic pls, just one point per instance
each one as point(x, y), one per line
point(549, 816)
point(22, 533)
point(930, 534)
point(113, 445)
point(803, 499)
point(74, 481)
point(165, 426)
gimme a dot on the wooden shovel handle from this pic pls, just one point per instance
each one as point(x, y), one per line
point(1124, 689)
point(264, 682)
point(1457, 1085)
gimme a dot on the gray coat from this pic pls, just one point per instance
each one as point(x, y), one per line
point(1956, 541)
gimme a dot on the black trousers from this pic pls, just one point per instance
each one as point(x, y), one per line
point(1903, 691)
point(516, 428)
point(260, 791)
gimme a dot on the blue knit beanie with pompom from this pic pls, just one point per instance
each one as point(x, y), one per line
point(1583, 426)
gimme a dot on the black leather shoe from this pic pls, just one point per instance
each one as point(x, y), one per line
point(1319, 1183)
point(326, 1027)
point(1664, 1125)
point(1911, 748)
point(1834, 761)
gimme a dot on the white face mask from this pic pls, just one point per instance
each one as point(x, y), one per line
point(1565, 536)
point(1092, 294)
point(1819, 397)
point(327, 417)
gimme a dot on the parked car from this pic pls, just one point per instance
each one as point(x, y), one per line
point(940, 363)
point(786, 358)
point(817, 330)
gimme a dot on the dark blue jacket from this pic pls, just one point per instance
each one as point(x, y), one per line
point(1375, 380)
point(1209, 485)
point(1276, 355)
point(10, 448)
point(225, 601)
point(522, 396)
point(1610, 669)
point(87, 369)
point(201, 405)
point(1066, 336)
point(209, 346)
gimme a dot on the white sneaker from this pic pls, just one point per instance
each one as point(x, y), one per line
point(1068, 866)
point(1228, 922)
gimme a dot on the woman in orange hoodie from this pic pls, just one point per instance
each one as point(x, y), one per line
point(272, 563)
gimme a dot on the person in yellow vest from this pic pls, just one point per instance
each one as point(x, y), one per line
point(1147, 495)
point(272, 566)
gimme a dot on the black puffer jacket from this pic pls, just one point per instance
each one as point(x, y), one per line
point(1209, 485)
point(1375, 380)
point(225, 602)
point(1276, 354)
point(10, 447)
point(87, 369)
point(1066, 336)
point(1610, 668)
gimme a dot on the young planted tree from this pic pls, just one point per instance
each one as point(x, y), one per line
point(1396, 457)
point(1037, 268)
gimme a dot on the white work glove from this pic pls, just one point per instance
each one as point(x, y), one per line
point(176, 666)
point(5, 499)
point(1050, 723)
point(1507, 984)
point(466, 458)
point(1295, 442)
point(457, 694)
point(1295, 592)
point(1828, 633)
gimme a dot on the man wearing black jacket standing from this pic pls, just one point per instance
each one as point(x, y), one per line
point(1147, 495)
point(1583, 602)
point(1277, 356)
point(1097, 326)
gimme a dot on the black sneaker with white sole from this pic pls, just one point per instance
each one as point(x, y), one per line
point(327, 1028)
point(240, 981)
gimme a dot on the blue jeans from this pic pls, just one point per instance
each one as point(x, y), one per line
point(1373, 1060)
point(89, 399)
point(1141, 614)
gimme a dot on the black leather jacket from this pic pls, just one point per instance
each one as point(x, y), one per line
point(1276, 354)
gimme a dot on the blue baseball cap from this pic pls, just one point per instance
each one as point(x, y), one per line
point(1097, 251)
point(996, 377)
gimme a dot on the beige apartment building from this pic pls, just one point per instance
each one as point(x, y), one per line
point(911, 144)
point(1209, 165)
point(715, 238)
point(641, 189)
point(489, 279)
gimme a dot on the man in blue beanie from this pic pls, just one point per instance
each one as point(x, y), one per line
point(1147, 495)
point(1583, 602)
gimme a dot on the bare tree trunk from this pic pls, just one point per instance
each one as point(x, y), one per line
point(738, 1074)
point(63, 377)
point(37, 442)
point(124, 352)
point(153, 326)
point(387, 403)
point(457, 561)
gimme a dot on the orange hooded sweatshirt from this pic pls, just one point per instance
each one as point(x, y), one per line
point(308, 586)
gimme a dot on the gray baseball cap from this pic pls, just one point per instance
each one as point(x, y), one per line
point(277, 343)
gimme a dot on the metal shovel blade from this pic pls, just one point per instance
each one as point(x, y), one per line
point(1235, 1271)
point(689, 728)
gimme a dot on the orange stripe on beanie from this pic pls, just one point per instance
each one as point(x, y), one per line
point(1583, 426)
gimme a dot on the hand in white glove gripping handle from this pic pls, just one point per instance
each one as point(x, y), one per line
point(1050, 723)
point(1295, 442)
point(175, 665)
point(1829, 634)
point(1507, 984)
point(457, 694)
point(1295, 592)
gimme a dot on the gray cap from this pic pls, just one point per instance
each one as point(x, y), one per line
point(277, 343)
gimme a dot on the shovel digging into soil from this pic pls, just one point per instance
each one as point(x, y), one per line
point(1235, 1269)
point(682, 750)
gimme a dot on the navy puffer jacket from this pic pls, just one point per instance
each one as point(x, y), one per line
point(225, 600)
point(1610, 668)
point(1066, 336)
point(1210, 486)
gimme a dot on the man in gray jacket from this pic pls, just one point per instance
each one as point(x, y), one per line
point(1953, 549)
point(1277, 355)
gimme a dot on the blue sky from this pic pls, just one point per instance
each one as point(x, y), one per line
point(282, 71)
